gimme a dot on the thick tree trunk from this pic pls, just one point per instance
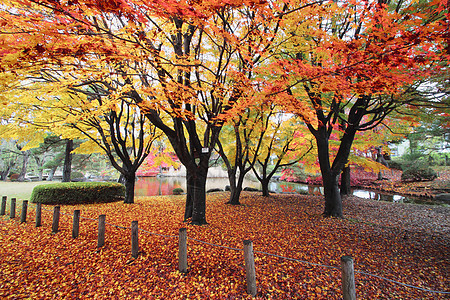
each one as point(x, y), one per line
point(236, 189)
point(345, 181)
point(195, 208)
point(199, 199)
point(130, 180)
point(333, 200)
point(234, 192)
point(265, 187)
point(235, 195)
point(67, 169)
point(23, 171)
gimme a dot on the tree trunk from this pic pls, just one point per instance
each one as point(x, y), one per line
point(381, 160)
point(234, 192)
point(333, 200)
point(345, 181)
point(236, 189)
point(50, 174)
point(67, 169)
point(199, 199)
point(189, 195)
point(265, 187)
point(41, 175)
point(235, 195)
point(130, 180)
point(23, 171)
point(4, 174)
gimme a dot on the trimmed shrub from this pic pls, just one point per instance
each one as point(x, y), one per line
point(214, 190)
point(418, 172)
point(76, 176)
point(177, 191)
point(78, 193)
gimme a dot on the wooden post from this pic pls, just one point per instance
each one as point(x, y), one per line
point(76, 223)
point(12, 213)
point(182, 250)
point(134, 239)
point(101, 231)
point(38, 214)
point(250, 267)
point(23, 214)
point(348, 278)
point(55, 223)
point(3, 207)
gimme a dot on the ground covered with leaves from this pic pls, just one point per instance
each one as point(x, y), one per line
point(400, 242)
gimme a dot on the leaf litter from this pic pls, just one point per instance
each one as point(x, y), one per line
point(401, 242)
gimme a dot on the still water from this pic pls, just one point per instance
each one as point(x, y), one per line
point(154, 186)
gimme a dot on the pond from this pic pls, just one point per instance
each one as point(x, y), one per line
point(154, 186)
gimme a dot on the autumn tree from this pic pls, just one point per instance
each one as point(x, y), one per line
point(350, 65)
point(184, 64)
point(239, 144)
point(283, 146)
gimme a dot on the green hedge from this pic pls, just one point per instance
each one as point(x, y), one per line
point(177, 191)
point(78, 192)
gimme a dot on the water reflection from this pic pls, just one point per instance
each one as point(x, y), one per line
point(154, 186)
point(380, 197)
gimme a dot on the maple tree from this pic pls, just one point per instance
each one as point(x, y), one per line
point(183, 63)
point(350, 64)
point(118, 130)
point(283, 145)
point(247, 130)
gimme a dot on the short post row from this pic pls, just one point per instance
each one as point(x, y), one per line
point(347, 271)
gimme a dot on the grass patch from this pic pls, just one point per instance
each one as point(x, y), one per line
point(19, 190)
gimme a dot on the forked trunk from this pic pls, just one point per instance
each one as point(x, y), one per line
point(236, 189)
point(333, 200)
point(235, 195)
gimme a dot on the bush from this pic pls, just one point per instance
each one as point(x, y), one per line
point(177, 191)
point(418, 172)
point(77, 193)
point(396, 164)
point(76, 176)
point(13, 176)
point(214, 190)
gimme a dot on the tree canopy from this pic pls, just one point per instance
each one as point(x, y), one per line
point(189, 66)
